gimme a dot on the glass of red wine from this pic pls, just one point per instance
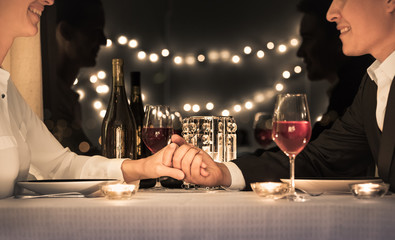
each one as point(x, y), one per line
point(292, 132)
point(263, 128)
point(157, 129)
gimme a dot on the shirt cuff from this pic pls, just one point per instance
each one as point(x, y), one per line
point(236, 175)
point(114, 169)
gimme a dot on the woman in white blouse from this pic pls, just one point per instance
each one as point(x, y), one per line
point(25, 142)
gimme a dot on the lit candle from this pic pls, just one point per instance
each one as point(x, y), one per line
point(369, 190)
point(119, 191)
point(270, 190)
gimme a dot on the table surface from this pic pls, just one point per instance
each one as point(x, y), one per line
point(185, 214)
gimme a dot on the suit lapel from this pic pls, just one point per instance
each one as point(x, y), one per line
point(387, 141)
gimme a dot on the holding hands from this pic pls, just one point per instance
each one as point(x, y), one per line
point(198, 167)
point(178, 160)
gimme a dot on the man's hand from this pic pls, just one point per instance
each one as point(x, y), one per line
point(152, 166)
point(198, 167)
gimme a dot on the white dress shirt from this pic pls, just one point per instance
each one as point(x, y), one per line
point(26, 144)
point(381, 73)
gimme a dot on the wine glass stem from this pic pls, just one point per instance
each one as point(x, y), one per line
point(292, 173)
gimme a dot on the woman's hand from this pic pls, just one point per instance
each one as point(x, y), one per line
point(154, 166)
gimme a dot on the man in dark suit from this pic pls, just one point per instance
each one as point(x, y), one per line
point(363, 137)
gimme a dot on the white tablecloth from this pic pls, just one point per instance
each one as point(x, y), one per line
point(218, 215)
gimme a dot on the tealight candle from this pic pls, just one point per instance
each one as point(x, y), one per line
point(119, 191)
point(270, 190)
point(369, 190)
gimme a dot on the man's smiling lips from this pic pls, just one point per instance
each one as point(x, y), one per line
point(344, 29)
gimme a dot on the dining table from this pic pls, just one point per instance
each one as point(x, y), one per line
point(197, 214)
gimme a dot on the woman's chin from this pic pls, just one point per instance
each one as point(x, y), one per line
point(31, 31)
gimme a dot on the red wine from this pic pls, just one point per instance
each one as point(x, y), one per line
point(157, 138)
point(263, 136)
point(291, 136)
point(119, 128)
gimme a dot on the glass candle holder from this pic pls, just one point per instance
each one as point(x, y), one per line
point(369, 190)
point(119, 191)
point(270, 190)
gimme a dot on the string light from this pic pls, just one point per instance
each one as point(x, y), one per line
point(297, 69)
point(249, 105)
point(75, 82)
point(141, 55)
point(196, 108)
point(213, 56)
point(279, 87)
point(201, 58)
point(237, 108)
point(286, 74)
point(225, 113)
point(133, 43)
point(165, 52)
point(97, 104)
point(294, 42)
point(93, 79)
point(235, 59)
point(225, 55)
point(210, 106)
point(102, 113)
point(101, 74)
point(102, 89)
point(122, 40)
point(153, 57)
point(270, 45)
point(247, 50)
point(260, 54)
point(81, 93)
point(178, 60)
point(282, 48)
point(108, 43)
point(190, 59)
point(187, 107)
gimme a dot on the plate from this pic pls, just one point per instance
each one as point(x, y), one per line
point(329, 185)
point(83, 186)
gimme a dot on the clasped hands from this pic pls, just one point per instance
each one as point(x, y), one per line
point(181, 161)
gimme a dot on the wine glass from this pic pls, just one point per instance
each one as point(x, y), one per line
point(263, 128)
point(157, 129)
point(292, 132)
point(169, 182)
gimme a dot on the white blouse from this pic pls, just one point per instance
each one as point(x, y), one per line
point(26, 144)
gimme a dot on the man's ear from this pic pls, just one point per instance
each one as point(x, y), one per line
point(65, 30)
point(390, 6)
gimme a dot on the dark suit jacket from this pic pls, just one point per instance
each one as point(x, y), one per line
point(348, 149)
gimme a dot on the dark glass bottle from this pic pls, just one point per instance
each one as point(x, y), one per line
point(119, 132)
point(136, 105)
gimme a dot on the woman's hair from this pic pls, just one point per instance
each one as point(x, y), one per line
point(319, 9)
point(76, 12)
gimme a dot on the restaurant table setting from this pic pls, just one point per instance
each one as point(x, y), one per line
point(291, 209)
point(201, 214)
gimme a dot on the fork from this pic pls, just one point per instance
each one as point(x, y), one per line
point(52, 195)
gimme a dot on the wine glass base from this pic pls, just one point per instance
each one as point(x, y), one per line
point(296, 198)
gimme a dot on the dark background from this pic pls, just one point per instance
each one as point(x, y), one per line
point(189, 28)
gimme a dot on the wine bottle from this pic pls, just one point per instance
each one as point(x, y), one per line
point(136, 105)
point(119, 132)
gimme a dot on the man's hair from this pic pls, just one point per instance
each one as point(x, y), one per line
point(75, 12)
point(319, 9)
